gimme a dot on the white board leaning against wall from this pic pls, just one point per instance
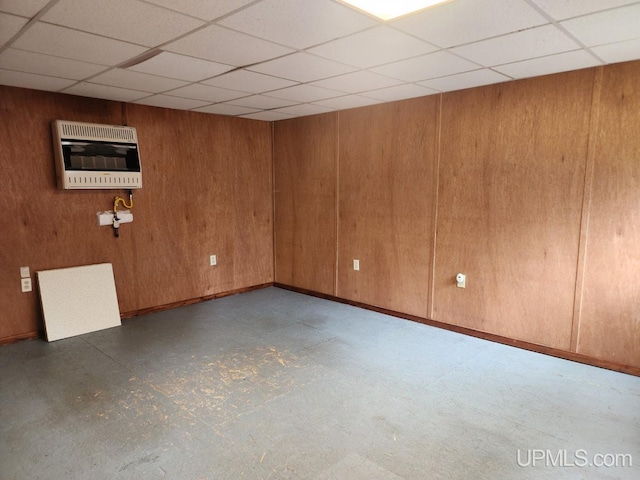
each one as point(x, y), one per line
point(78, 300)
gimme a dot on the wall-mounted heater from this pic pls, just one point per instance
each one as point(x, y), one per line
point(93, 156)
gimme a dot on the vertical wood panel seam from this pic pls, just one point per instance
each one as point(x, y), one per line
point(337, 203)
point(273, 199)
point(586, 208)
point(434, 212)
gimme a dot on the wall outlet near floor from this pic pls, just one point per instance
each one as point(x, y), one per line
point(356, 264)
point(213, 260)
point(26, 285)
point(461, 280)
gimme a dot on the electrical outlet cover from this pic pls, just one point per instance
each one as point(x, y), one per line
point(27, 286)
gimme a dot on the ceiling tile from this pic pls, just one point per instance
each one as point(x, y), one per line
point(205, 10)
point(167, 101)
point(31, 62)
point(464, 21)
point(62, 42)
point(226, 46)
point(181, 67)
point(432, 65)
point(30, 80)
point(197, 91)
point(348, 101)
point(400, 92)
point(302, 67)
point(226, 109)
point(25, 8)
point(564, 9)
point(298, 23)
point(460, 81)
point(260, 101)
point(137, 81)
point(622, 24)
point(536, 42)
point(304, 93)
point(619, 52)
point(9, 26)
point(356, 82)
point(250, 59)
point(561, 62)
point(269, 116)
point(303, 109)
point(247, 81)
point(373, 47)
point(93, 90)
point(128, 20)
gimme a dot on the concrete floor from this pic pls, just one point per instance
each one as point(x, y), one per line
point(274, 384)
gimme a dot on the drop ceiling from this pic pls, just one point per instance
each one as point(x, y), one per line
point(276, 59)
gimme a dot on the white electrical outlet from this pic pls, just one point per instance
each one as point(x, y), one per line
point(24, 272)
point(461, 280)
point(356, 264)
point(26, 284)
point(213, 260)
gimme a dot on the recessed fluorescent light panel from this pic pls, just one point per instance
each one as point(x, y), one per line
point(390, 9)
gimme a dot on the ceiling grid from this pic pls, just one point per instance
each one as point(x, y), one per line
point(278, 59)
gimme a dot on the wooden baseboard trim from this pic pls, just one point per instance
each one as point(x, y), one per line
point(144, 311)
point(192, 301)
point(18, 338)
point(554, 352)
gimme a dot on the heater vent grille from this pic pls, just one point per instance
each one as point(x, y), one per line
point(91, 131)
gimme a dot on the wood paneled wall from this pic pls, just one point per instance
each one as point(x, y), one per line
point(207, 184)
point(386, 181)
point(207, 190)
point(610, 321)
point(44, 227)
point(512, 173)
point(305, 202)
point(530, 188)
